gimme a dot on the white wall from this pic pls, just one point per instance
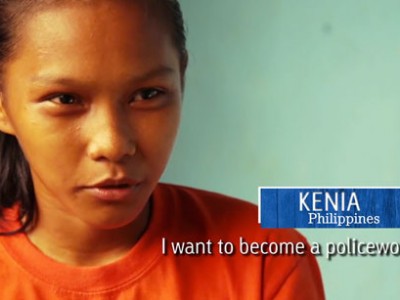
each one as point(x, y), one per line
point(296, 92)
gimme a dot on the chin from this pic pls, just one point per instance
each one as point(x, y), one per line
point(119, 220)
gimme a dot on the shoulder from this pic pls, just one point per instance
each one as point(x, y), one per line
point(198, 215)
point(212, 202)
point(219, 214)
point(207, 205)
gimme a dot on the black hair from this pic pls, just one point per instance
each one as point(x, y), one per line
point(16, 186)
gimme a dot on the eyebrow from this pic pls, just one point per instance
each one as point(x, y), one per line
point(160, 71)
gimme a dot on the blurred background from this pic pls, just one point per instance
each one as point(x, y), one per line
point(296, 93)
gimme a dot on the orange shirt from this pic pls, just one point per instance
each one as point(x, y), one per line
point(179, 214)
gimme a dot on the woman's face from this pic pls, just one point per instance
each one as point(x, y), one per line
point(93, 95)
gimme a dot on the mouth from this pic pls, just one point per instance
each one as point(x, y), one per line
point(113, 189)
point(116, 183)
point(114, 186)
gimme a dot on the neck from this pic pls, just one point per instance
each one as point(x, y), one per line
point(80, 244)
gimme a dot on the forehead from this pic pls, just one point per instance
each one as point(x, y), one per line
point(97, 25)
point(95, 37)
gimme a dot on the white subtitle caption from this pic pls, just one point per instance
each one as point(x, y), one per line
point(330, 250)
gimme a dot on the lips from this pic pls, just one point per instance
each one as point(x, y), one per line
point(113, 189)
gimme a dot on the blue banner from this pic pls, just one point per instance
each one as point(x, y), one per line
point(329, 207)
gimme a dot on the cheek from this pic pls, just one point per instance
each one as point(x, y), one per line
point(48, 150)
point(156, 138)
point(59, 147)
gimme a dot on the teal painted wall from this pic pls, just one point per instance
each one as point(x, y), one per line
point(296, 92)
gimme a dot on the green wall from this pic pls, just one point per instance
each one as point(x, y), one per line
point(289, 93)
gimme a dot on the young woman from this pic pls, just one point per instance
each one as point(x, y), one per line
point(91, 93)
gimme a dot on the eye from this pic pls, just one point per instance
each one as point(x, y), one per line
point(64, 99)
point(146, 94)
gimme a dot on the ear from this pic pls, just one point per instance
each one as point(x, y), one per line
point(5, 124)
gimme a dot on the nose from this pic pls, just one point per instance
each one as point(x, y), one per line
point(111, 136)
